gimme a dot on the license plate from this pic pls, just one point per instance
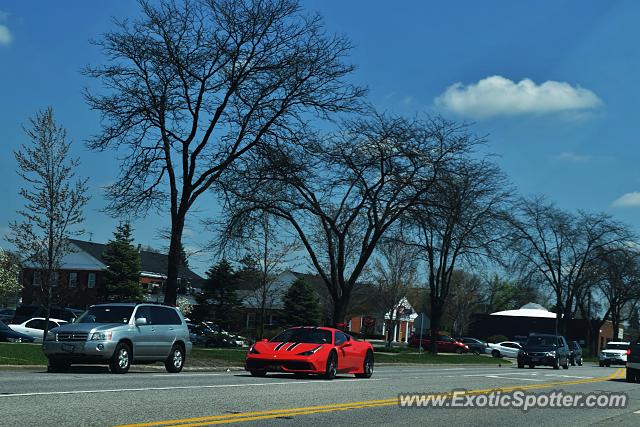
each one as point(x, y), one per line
point(535, 359)
point(69, 348)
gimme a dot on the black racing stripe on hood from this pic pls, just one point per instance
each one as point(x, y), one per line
point(279, 346)
point(292, 346)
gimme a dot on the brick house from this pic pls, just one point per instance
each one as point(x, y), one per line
point(82, 274)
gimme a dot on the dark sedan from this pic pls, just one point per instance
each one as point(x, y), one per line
point(475, 345)
point(6, 334)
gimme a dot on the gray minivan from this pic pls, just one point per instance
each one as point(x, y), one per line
point(121, 334)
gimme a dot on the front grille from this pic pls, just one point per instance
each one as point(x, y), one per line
point(538, 354)
point(75, 336)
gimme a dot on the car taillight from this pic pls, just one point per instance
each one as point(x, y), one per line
point(628, 352)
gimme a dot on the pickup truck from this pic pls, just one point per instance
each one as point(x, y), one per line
point(633, 362)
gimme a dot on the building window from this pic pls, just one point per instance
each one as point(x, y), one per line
point(73, 280)
point(91, 280)
point(37, 278)
point(251, 320)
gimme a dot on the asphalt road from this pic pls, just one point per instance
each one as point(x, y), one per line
point(89, 396)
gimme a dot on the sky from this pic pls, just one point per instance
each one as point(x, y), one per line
point(550, 84)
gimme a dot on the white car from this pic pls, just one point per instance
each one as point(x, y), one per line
point(34, 327)
point(614, 353)
point(503, 349)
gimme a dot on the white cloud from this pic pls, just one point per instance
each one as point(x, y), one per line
point(628, 200)
point(498, 96)
point(5, 35)
point(570, 156)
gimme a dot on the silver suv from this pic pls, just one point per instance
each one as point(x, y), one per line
point(119, 335)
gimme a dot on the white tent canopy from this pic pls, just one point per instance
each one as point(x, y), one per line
point(527, 310)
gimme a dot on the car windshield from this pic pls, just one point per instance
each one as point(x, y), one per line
point(611, 346)
point(106, 314)
point(304, 335)
point(541, 341)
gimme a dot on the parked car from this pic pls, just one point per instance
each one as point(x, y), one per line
point(8, 334)
point(545, 350)
point(119, 335)
point(475, 345)
point(633, 363)
point(6, 314)
point(575, 355)
point(503, 349)
point(614, 353)
point(35, 327)
point(311, 350)
point(204, 335)
point(445, 343)
point(24, 312)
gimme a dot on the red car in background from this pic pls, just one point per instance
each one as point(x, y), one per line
point(446, 344)
point(311, 350)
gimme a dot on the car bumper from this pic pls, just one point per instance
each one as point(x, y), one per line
point(301, 364)
point(538, 360)
point(613, 361)
point(91, 350)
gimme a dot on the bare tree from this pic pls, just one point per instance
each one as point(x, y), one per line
point(54, 201)
point(459, 223)
point(341, 193)
point(560, 248)
point(257, 239)
point(196, 84)
point(465, 298)
point(394, 271)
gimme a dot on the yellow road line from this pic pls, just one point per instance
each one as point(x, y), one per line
point(290, 412)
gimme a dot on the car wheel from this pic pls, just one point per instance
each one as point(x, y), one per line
point(580, 362)
point(632, 375)
point(566, 364)
point(57, 365)
point(520, 365)
point(332, 366)
point(608, 365)
point(601, 364)
point(175, 361)
point(367, 367)
point(121, 359)
point(459, 350)
point(556, 364)
point(532, 366)
point(495, 353)
point(573, 361)
point(258, 373)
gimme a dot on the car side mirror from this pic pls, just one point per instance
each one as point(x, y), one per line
point(140, 321)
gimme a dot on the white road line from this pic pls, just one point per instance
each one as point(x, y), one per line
point(120, 390)
point(511, 378)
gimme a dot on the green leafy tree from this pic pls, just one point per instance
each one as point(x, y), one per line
point(122, 278)
point(9, 271)
point(301, 306)
point(219, 295)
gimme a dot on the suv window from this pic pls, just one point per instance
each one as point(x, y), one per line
point(144, 311)
point(164, 316)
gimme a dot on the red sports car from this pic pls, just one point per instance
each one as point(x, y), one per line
point(311, 350)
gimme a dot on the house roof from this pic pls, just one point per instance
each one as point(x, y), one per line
point(150, 262)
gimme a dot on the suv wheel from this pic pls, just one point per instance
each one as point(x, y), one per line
point(175, 361)
point(566, 364)
point(121, 359)
point(580, 362)
point(556, 364)
point(573, 361)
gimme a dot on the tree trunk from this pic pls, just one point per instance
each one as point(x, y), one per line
point(436, 314)
point(340, 310)
point(173, 260)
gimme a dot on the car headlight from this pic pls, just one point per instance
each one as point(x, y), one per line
point(101, 336)
point(551, 353)
point(51, 336)
point(310, 352)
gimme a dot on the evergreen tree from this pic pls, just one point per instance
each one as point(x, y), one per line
point(219, 294)
point(301, 306)
point(122, 278)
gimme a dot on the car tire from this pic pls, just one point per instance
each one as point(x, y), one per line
point(495, 353)
point(608, 365)
point(580, 362)
point(175, 361)
point(459, 350)
point(573, 361)
point(556, 364)
point(532, 366)
point(258, 373)
point(520, 365)
point(632, 375)
point(601, 364)
point(121, 360)
point(566, 364)
point(367, 366)
point(331, 369)
point(57, 365)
